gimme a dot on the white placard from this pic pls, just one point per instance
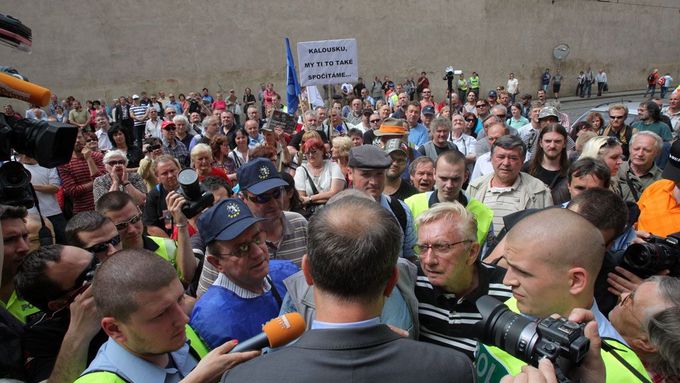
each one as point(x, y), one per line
point(327, 62)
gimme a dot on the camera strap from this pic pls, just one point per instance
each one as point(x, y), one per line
point(44, 235)
point(612, 351)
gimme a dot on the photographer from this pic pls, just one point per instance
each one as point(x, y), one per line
point(121, 209)
point(553, 271)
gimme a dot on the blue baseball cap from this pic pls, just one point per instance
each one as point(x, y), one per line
point(259, 176)
point(226, 220)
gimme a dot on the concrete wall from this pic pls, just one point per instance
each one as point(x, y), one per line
point(96, 49)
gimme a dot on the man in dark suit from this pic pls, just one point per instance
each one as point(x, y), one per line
point(352, 264)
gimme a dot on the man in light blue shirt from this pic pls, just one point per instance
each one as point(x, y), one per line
point(418, 133)
point(141, 302)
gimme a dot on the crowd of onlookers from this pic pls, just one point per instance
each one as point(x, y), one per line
point(252, 218)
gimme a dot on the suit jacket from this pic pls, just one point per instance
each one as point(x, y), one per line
point(366, 354)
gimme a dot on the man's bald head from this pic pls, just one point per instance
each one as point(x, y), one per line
point(567, 239)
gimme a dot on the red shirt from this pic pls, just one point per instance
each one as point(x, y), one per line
point(77, 182)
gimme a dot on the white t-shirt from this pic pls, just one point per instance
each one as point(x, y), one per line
point(330, 171)
point(512, 86)
point(48, 202)
point(482, 166)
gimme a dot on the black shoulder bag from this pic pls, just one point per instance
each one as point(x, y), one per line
point(309, 209)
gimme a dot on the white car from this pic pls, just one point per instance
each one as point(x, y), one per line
point(603, 109)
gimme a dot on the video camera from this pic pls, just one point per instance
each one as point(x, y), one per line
point(655, 255)
point(50, 143)
point(197, 198)
point(561, 341)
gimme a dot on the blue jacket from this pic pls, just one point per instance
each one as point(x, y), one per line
point(220, 315)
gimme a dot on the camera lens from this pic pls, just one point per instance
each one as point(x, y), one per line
point(501, 327)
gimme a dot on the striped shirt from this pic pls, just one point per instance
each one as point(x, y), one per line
point(292, 246)
point(77, 182)
point(447, 320)
point(138, 111)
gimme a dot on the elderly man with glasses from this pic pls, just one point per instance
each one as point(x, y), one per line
point(285, 232)
point(249, 288)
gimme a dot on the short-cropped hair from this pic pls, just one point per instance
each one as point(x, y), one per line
point(353, 259)
point(603, 208)
point(509, 142)
point(32, 283)
point(85, 221)
point(162, 159)
point(120, 278)
point(113, 201)
point(10, 212)
point(452, 213)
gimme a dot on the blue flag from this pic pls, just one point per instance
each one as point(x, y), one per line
point(292, 84)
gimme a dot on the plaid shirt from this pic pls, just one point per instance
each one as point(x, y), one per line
point(179, 151)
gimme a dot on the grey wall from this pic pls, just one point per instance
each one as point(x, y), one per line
point(96, 49)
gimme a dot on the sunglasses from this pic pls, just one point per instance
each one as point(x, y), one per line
point(266, 197)
point(103, 246)
point(480, 105)
point(133, 220)
point(374, 121)
point(469, 119)
point(151, 148)
point(616, 117)
point(171, 128)
point(118, 162)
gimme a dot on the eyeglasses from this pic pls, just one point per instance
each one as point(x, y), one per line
point(243, 249)
point(266, 197)
point(151, 148)
point(374, 121)
point(481, 105)
point(312, 152)
point(437, 248)
point(116, 162)
point(500, 115)
point(170, 112)
point(616, 117)
point(103, 246)
point(133, 220)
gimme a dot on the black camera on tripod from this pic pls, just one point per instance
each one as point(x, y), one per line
point(561, 341)
point(197, 198)
point(653, 256)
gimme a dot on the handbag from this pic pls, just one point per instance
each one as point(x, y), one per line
point(309, 209)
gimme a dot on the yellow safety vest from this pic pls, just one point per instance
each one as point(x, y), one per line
point(474, 82)
point(198, 350)
point(418, 203)
point(19, 308)
point(167, 249)
point(492, 363)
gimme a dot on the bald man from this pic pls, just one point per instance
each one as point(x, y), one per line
point(553, 271)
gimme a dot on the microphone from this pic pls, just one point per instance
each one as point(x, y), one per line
point(13, 87)
point(275, 333)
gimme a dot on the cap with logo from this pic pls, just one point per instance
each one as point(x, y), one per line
point(428, 110)
point(369, 157)
point(395, 145)
point(226, 220)
point(672, 169)
point(259, 176)
point(492, 93)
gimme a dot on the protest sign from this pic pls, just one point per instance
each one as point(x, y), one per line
point(327, 62)
point(283, 120)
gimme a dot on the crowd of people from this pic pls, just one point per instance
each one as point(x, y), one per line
point(181, 225)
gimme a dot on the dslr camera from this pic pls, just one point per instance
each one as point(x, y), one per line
point(561, 341)
point(196, 197)
point(655, 255)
